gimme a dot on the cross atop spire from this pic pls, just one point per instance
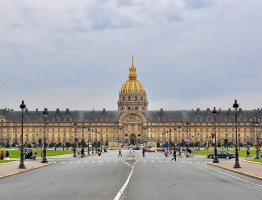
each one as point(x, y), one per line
point(132, 70)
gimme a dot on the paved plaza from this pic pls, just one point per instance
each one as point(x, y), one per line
point(129, 177)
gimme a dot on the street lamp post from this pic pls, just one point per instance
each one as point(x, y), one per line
point(22, 165)
point(214, 112)
point(45, 143)
point(64, 138)
point(235, 106)
point(75, 125)
point(179, 149)
point(88, 148)
point(92, 138)
point(187, 124)
point(83, 138)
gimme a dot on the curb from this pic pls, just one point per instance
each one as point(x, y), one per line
point(252, 162)
point(26, 170)
point(236, 171)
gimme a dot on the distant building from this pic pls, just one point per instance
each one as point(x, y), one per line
point(131, 124)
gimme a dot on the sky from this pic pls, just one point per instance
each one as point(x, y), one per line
point(189, 54)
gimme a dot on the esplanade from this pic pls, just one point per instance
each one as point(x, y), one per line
point(131, 124)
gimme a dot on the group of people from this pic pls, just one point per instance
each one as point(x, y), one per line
point(6, 155)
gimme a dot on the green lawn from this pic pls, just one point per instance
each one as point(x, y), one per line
point(16, 153)
point(4, 161)
point(255, 160)
point(242, 153)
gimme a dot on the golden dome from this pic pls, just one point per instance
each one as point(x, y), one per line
point(132, 85)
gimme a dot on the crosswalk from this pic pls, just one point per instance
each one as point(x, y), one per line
point(138, 161)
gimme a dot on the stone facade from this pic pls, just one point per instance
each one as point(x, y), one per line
point(131, 124)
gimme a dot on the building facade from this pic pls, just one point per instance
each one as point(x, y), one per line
point(132, 123)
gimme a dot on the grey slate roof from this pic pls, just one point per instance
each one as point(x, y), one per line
point(114, 116)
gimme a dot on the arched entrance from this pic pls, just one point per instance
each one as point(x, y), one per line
point(132, 139)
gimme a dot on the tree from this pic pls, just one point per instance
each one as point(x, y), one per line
point(7, 145)
point(158, 145)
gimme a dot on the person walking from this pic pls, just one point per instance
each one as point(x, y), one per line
point(248, 154)
point(7, 155)
point(2, 155)
point(166, 153)
point(143, 152)
point(119, 153)
point(174, 154)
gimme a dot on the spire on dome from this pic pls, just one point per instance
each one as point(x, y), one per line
point(132, 70)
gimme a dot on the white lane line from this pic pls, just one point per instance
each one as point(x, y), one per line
point(197, 162)
point(63, 162)
point(189, 162)
point(167, 161)
point(100, 161)
point(86, 161)
point(232, 176)
point(153, 161)
point(70, 162)
point(160, 161)
point(145, 161)
point(78, 162)
point(93, 161)
point(117, 197)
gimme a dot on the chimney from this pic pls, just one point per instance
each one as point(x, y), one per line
point(67, 112)
point(26, 112)
point(219, 111)
point(258, 111)
point(161, 112)
point(208, 111)
point(198, 112)
point(240, 111)
point(104, 111)
point(57, 113)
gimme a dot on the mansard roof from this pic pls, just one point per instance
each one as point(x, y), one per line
point(114, 116)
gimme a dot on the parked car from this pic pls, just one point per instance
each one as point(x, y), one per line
point(222, 154)
point(150, 150)
point(136, 148)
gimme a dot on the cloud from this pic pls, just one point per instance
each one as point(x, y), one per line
point(185, 51)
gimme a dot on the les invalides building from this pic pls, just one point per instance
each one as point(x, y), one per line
point(131, 124)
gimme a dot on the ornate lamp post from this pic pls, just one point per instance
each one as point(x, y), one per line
point(235, 106)
point(64, 138)
point(214, 112)
point(22, 165)
point(88, 148)
point(92, 141)
point(75, 125)
point(45, 143)
point(83, 138)
point(179, 149)
point(187, 124)
point(175, 140)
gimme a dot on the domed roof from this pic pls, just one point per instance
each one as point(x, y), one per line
point(132, 85)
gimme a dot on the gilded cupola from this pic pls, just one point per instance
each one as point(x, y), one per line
point(132, 85)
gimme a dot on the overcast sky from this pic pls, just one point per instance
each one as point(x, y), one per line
point(75, 54)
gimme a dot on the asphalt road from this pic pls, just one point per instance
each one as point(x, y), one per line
point(110, 177)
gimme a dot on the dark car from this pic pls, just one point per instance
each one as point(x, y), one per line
point(222, 154)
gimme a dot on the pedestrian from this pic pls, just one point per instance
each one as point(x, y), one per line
point(2, 155)
point(143, 152)
point(41, 154)
point(174, 154)
point(119, 153)
point(166, 153)
point(248, 154)
point(7, 155)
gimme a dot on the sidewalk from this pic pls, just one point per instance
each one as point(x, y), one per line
point(11, 168)
point(248, 168)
